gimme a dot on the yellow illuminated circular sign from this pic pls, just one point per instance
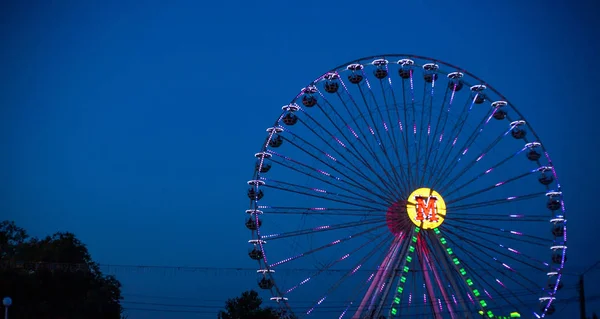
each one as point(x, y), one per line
point(426, 208)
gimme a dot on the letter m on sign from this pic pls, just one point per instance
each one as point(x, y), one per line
point(426, 208)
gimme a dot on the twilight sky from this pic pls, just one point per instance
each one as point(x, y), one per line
point(133, 124)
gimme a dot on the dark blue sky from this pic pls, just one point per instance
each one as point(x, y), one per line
point(133, 124)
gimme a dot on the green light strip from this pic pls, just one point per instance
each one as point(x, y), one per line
point(463, 272)
point(513, 315)
point(405, 268)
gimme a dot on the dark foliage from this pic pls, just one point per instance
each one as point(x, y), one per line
point(54, 278)
point(248, 306)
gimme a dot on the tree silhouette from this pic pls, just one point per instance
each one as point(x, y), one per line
point(248, 306)
point(54, 277)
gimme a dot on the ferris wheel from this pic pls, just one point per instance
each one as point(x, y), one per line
point(401, 185)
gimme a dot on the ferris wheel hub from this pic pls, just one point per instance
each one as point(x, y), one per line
point(426, 208)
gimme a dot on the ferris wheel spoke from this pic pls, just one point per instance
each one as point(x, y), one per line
point(321, 229)
point(413, 127)
point(425, 124)
point(363, 285)
point(384, 274)
point(429, 293)
point(495, 166)
point(391, 127)
point(467, 282)
point(352, 150)
point(447, 167)
point(368, 147)
point(427, 115)
point(499, 232)
point(495, 202)
point(333, 243)
point(402, 127)
point(396, 270)
point(468, 271)
point(518, 280)
point(467, 167)
point(372, 302)
point(332, 211)
point(325, 194)
point(486, 250)
point(454, 135)
point(339, 165)
point(516, 294)
point(499, 217)
point(514, 253)
point(445, 271)
point(405, 112)
point(462, 278)
point(318, 193)
point(405, 264)
point(442, 143)
point(439, 127)
point(418, 137)
point(483, 268)
point(489, 188)
point(345, 256)
point(506, 296)
point(348, 274)
point(427, 253)
point(374, 128)
point(329, 176)
point(357, 291)
point(481, 226)
point(361, 141)
point(356, 153)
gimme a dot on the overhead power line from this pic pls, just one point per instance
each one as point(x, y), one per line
point(202, 303)
point(190, 301)
point(324, 308)
point(596, 265)
point(213, 270)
